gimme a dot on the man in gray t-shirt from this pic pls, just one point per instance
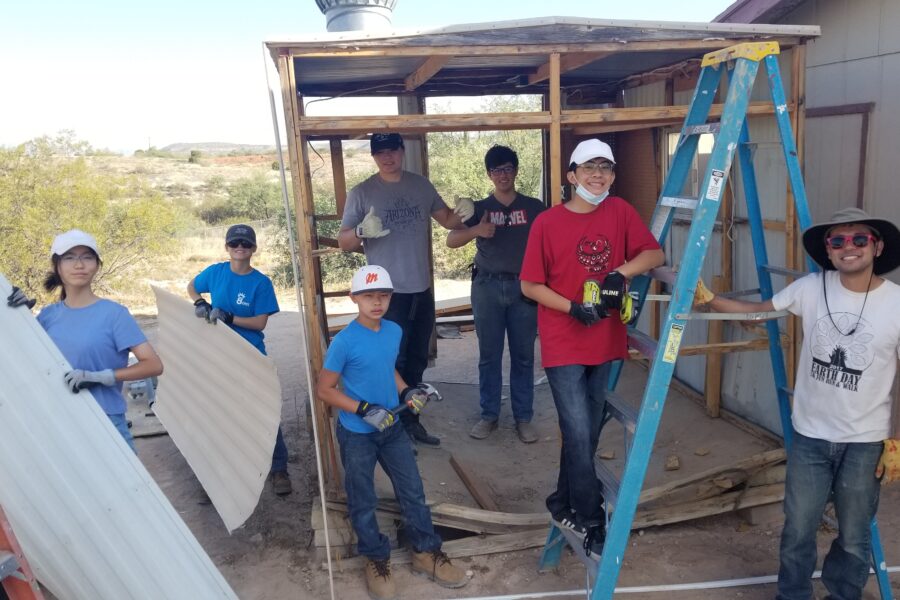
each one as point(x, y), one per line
point(388, 216)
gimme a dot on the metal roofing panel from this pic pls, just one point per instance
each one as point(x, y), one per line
point(220, 401)
point(90, 519)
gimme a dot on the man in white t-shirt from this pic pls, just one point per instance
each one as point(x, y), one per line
point(842, 442)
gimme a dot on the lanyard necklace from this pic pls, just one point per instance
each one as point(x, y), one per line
point(865, 298)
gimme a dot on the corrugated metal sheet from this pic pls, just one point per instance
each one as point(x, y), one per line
point(92, 522)
point(220, 400)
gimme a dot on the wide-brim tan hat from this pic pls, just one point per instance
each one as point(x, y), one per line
point(814, 239)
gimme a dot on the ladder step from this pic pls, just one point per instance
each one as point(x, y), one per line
point(679, 202)
point(8, 564)
point(701, 129)
point(784, 271)
point(642, 342)
point(622, 411)
point(609, 480)
point(664, 273)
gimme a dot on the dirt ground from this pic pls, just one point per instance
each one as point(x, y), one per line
point(272, 557)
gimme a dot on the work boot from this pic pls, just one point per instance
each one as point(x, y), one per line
point(379, 580)
point(437, 567)
point(594, 540)
point(482, 429)
point(527, 432)
point(281, 483)
point(418, 434)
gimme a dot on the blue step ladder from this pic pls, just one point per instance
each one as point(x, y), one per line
point(740, 64)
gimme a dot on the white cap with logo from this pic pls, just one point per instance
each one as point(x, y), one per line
point(70, 239)
point(592, 148)
point(371, 278)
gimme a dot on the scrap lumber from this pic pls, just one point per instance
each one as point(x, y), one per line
point(476, 486)
point(723, 503)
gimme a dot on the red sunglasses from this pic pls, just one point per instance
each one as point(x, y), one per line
point(860, 240)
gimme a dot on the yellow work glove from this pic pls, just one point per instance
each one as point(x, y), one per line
point(702, 295)
point(889, 463)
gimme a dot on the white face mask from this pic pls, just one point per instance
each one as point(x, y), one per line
point(590, 198)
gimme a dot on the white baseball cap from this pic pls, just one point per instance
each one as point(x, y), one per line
point(68, 240)
point(592, 148)
point(371, 278)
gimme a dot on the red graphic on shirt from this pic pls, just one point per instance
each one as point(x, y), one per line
point(594, 254)
point(371, 278)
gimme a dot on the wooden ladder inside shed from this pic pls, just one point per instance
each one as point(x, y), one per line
point(16, 578)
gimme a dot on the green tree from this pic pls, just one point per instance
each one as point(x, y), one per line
point(44, 192)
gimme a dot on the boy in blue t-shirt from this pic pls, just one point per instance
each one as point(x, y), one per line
point(363, 356)
point(242, 298)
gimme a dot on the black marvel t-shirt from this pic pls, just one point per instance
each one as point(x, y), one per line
point(503, 253)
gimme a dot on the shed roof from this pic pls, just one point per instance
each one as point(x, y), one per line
point(507, 57)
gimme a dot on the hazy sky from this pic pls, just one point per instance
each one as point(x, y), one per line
point(124, 72)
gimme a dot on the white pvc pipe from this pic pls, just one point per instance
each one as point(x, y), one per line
point(670, 587)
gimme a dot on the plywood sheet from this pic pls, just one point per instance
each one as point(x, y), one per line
point(92, 522)
point(220, 401)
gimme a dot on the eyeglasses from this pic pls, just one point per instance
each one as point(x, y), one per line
point(604, 168)
point(71, 259)
point(860, 240)
point(241, 243)
point(507, 170)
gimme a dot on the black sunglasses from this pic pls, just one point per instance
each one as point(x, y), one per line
point(860, 240)
point(241, 243)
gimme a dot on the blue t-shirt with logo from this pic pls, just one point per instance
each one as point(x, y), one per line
point(365, 360)
point(248, 295)
point(94, 338)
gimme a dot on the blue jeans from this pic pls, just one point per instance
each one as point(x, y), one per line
point(121, 425)
point(391, 449)
point(280, 454)
point(500, 309)
point(817, 469)
point(414, 313)
point(579, 392)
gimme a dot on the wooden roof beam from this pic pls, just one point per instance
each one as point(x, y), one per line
point(567, 62)
point(428, 69)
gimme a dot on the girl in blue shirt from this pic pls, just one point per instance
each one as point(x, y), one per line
point(94, 335)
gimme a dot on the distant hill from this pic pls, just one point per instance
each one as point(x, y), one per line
point(215, 148)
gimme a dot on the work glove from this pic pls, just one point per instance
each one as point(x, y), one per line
point(889, 463)
point(612, 290)
point(375, 415)
point(584, 313)
point(202, 308)
point(78, 379)
point(371, 226)
point(218, 314)
point(702, 295)
point(415, 398)
point(464, 208)
point(18, 298)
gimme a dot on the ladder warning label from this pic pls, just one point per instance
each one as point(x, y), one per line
point(673, 342)
point(714, 190)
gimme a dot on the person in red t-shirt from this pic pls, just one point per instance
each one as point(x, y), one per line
point(593, 236)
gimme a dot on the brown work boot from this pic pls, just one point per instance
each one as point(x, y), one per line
point(437, 566)
point(379, 581)
point(482, 429)
point(281, 483)
point(526, 431)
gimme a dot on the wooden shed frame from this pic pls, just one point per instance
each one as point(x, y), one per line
point(581, 67)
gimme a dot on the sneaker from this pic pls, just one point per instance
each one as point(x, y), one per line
point(482, 429)
point(203, 498)
point(566, 520)
point(594, 540)
point(379, 580)
point(418, 434)
point(526, 431)
point(437, 566)
point(281, 483)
